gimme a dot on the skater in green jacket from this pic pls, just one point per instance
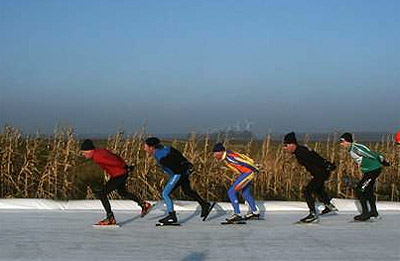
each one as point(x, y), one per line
point(371, 164)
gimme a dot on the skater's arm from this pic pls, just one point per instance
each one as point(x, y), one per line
point(362, 151)
point(242, 160)
point(306, 155)
point(175, 161)
point(247, 165)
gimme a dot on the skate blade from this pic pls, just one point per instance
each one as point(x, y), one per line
point(365, 221)
point(106, 226)
point(234, 223)
point(314, 222)
point(254, 218)
point(168, 225)
point(329, 214)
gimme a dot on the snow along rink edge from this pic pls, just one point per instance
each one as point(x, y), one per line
point(48, 204)
point(33, 229)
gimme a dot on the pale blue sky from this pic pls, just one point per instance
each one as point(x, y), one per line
point(193, 65)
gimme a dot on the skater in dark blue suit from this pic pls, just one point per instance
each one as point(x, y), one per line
point(179, 169)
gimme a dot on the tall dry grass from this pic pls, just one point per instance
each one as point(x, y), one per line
point(51, 167)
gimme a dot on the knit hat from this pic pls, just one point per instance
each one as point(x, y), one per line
point(290, 138)
point(346, 137)
point(152, 141)
point(398, 137)
point(87, 145)
point(218, 147)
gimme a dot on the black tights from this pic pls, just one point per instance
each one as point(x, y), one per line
point(316, 186)
point(184, 183)
point(365, 191)
point(119, 184)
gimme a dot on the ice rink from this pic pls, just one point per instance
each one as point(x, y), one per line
point(69, 235)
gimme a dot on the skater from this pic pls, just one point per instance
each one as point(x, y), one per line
point(371, 164)
point(117, 169)
point(179, 170)
point(245, 167)
point(319, 168)
point(398, 138)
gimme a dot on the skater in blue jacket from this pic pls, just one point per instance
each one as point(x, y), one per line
point(179, 170)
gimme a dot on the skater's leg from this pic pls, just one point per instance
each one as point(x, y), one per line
point(324, 197)
point(238, 185)
point(321, 192)
point(247, 194)
point(363, 191)
point(369, 192)
point(233, 197)
point(126, 194)
point(111, 185)
point(372, 204)
point(308, 194)
point(187, 189)
point(169, 188)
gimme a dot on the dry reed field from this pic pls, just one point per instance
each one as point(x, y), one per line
point(51, 167)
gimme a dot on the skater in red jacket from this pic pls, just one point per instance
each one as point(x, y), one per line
point(117, 169)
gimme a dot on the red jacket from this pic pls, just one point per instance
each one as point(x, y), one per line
point(114, 165)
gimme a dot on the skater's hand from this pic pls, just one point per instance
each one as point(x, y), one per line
point(331, 167)
point(386, 163)
point(130, 168)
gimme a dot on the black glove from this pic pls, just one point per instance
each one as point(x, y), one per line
point(330, 166)
point(188, 168)
point(130, 168)
point(385, 163)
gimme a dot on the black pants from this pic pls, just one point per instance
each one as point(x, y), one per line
point(119, 184)
point(316, 186)
point(184, 183)
point(365, 190)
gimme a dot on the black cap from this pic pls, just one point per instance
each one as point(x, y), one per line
point(346, 137)
point(87, 145)
point(218, 147)
point(290, 138)
point(152, 141)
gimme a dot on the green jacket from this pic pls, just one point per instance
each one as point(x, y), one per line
point(367, 159)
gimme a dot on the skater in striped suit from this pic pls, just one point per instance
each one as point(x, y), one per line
point(245, 167)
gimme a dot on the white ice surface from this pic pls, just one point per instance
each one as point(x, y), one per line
point(68, 235)
point(46, 204)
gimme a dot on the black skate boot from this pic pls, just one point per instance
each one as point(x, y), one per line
point(374, 212)
point(170, 219)
point(310, 218)
point(252, 215)
point(365, 215)
point(234, 218)
point(328, 209)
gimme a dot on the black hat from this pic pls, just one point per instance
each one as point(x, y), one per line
point(87, 145)
point(346, 137)
point(218, 147)
point(290, 138)
point(152, 141)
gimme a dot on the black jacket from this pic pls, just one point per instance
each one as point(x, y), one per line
point(172, 161)
point(314, 163)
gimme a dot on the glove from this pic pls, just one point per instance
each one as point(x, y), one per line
point(330, 166)
point(130, 168)
point(385, 163)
